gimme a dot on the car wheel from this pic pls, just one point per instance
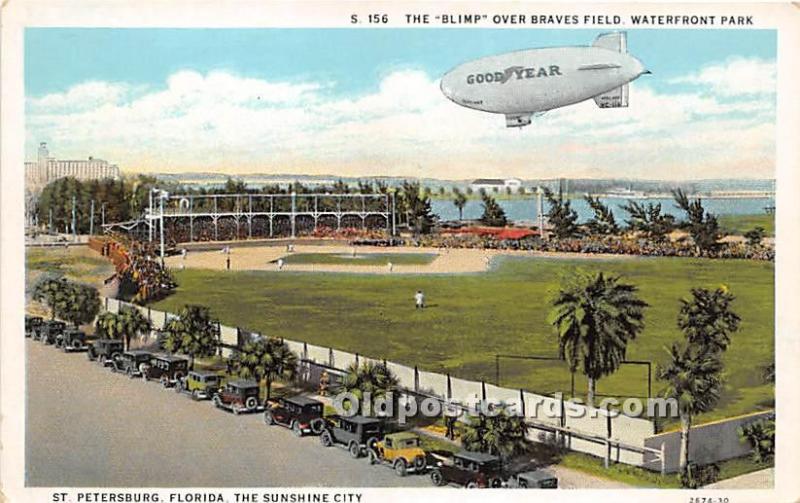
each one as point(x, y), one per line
point(400, 467)
point(268, 419)
point(325, 439)
point(298, 432)
point(523, 484)
point(495, 483)
point(77, 345)
point(472, 484)
point(217, 401)
point(251, 403)
point(354, 448)
point(437, 478)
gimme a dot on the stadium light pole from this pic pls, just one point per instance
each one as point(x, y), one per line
point(162, 195)
point(74, 229)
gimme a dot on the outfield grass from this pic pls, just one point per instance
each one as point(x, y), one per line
point(739, 224)
point(360, 258)
point(472, 317)
point(77, 263)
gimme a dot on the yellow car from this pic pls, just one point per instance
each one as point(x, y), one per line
point(401, 451)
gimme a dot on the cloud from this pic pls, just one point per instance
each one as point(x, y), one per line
point(221, 121)
point(735, 77)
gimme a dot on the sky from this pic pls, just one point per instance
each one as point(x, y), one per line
point(356, 102)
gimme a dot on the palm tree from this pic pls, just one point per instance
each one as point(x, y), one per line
point(460, 201)
point(504, 434)
point(706, 319)
point(694, 380)
point(133, 324)
point(267, 359)
point(51, 290)
point(596, 316)
point(191, 333)
point(369, 377)
point(108, 325)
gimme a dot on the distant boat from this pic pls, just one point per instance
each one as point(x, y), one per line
point(623, 193)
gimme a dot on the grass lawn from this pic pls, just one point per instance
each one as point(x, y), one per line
point(640, 477)
point(77, 263)
point(472, 317)
point(739, 224)
point(360, 258)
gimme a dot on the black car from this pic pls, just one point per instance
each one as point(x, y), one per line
point(534, 479)
point(299, 413)
point(168, 369)
point(32, 324)
point(132, 363)
point(357, 434)
point(105, 351)
point(469, 469)
point(72, 339)
point(49, 330)
point(238, 396)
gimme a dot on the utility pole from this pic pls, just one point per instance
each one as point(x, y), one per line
point(162, 195)
point(150, 216)
point(91, 219)
point(74, 228)
point(50, 221)
point(103, 214)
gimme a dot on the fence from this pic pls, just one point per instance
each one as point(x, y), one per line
point(614, 437)
point(709, 443)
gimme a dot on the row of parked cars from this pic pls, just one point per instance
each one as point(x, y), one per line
point(362, 436)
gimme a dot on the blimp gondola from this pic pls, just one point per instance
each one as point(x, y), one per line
point(527, 83)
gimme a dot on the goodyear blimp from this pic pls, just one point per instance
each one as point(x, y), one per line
point(527, 83)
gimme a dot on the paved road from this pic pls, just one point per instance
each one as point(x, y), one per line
point(88, 427)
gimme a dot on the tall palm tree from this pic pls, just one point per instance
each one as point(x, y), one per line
point(707, 319)
point(460, 201)
point(267, 359)
point(369, 377)
point(693, 378)
point(596, 316)
point(191, 333)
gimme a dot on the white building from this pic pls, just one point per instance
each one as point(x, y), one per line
point(46, 169)
point(496, 185)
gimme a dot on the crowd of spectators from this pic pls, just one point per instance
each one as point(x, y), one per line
point(616, 245)
point(179, 230)
point(136, 263)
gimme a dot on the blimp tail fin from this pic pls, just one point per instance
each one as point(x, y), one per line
point(615, 98)
point(616, 41)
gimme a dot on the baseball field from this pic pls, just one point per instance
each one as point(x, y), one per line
point(472, 316)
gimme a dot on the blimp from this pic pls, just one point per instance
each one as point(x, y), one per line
point(527, 83)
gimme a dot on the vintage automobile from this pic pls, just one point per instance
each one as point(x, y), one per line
point(32, 324)
point(105, 351)
point(49, 330)
point(299, 413)
point(201, 385)
point(238, 396)
point(357, 434)
point(168, 369)
point(132, 363)
point(401, 451)
point(469, 469)
point(71, 339)
point(534, 479)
